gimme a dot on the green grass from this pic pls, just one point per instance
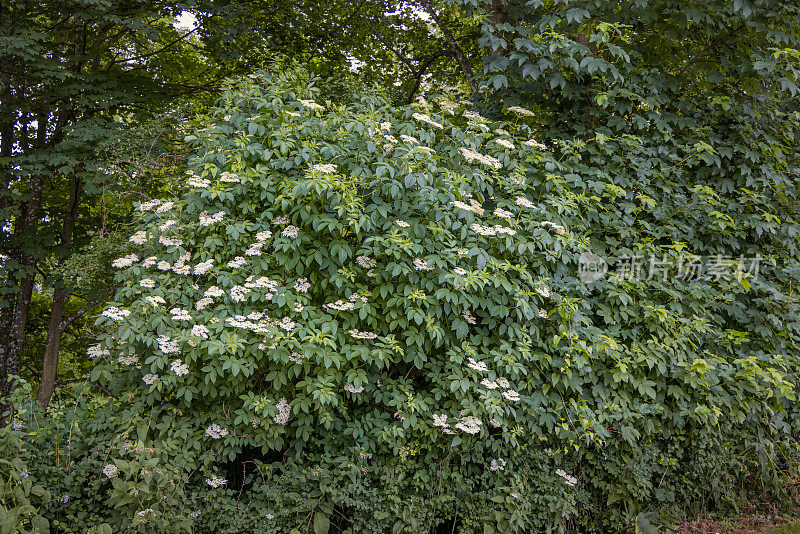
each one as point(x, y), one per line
point(793, 528)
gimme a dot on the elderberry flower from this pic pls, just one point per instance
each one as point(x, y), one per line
point(366, 262)
point(497, 465)
point(216, 481)
point(110, 470)
point(524, 202)
point(179, 368)
point(478, 366)
point(116, 314)
point(216, 432)
point(326, 168)
point(522, 111)
point(421, 264)
point(310, 104)
point(125, 261)
point(352, 389)
point(200, 330)
point(149, 379)
point(291, 232)
point(139, 238)
point(283, 412)
point(505, 143)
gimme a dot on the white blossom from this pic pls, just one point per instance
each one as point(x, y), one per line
point(200, 330)
point(216, 432)
point(125, 261)
point(110, 470)
point(179, 368)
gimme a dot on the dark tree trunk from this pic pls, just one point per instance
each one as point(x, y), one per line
point(11, 345)
point(57, 322)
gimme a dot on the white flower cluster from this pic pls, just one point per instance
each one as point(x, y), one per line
point(239, 293)
point(362, 335)
point(170, 241)
point(560, 230)
point(352, 389)
point(533, 143)
point(179, 368)
point(524, 202)
point(246, 322)
point(302, 285)
point(283, 412)
point(128, 360)
point(489, 384)
point(569, 480)
point(149, 205)
point(204, 267)
point(401, 223)
point(166, 206)
point(497, 465)
point(409, 139)
point(427, 120)
point(471, 155)
point(366, 262)
point(505, 143)
point(511, 395)
point(179, 314)
point(167, 224)
point(216, 432)
point(164, 265)
point(263, 235)
point(110, 470)
point(208, 220)
point(139, 238)
point(216, 481)
point(468, 317)
point(440, 420)
point(237, 262)
point(182, 266)
point(543, 314)
point(310, 104)
point(254, 249)
point(476, 365)
point(196, 181)
point(474, 206)
point(355, 296)
point(491, 230)
point(339, 305)
point(95, 351)
point(469, 424)
point(261, 282)
point(125, 261)
point(287, 324)
point(544, 291)
point(472, 115)
point(522, 111)
point(148, 283)
point(167, 345)
point(213, 291)
point(291, 232)
point(116, 314)
point(280, 220)
point(421, 264)
point(503, 214)
point(327, 168)
point(460, 271)
point(229, 177)
point(156, 301)
point(149, 379)
point(200, 330)
point(149, 261)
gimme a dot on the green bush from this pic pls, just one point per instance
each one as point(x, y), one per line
point(372, 316)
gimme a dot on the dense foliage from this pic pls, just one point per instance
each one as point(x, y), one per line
point(560, 295)
point(354, 301)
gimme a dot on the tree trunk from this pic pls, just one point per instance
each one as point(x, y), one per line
point(11, 346)
point(57, 323)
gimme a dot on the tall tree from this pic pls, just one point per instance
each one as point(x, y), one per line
point(69, 72)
